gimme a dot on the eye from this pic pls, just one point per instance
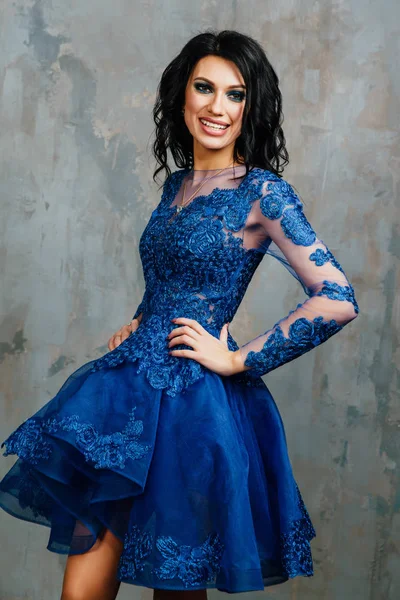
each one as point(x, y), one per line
point(237, 96)
point(202, 87)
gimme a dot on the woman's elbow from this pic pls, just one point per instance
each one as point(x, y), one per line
point(352, 310)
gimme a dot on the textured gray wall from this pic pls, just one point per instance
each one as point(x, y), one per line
point(77, 84)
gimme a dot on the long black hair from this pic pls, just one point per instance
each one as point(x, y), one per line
point(261, 142)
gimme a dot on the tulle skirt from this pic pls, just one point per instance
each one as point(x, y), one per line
point(198, 486)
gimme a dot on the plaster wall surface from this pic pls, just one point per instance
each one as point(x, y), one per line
point(77, 85)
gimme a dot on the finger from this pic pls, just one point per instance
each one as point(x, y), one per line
point(112, 342)
point(185, 329)
point(126, 332)
point(224, 334)
point(190, 322)
point(183, 339)
point(183, 353)
point(117, 340)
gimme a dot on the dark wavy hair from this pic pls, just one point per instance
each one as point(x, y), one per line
point(261, 142)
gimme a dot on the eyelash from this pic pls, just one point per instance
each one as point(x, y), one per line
point(240, 96)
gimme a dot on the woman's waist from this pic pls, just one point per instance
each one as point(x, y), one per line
point(160, 323)
point(169, 304)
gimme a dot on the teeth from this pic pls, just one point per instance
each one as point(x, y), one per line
point(213, 125)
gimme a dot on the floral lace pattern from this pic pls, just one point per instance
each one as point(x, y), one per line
point(280, 201)
point(277, 199)
point(198, 265)
point(103, 451)
point(295, 544)
point(191, 565)
point(28, 442)
point(338, 292)
point(198, 565)
point(137, 546)
point(320, 257)
point(303, 336)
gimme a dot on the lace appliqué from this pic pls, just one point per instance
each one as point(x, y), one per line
point(103, 451)
point(192, 566)
point(195, 266)
point(280, 196)
point(137, 546)
point(281, 201)
point(295, 545)
point(320, 257)
point(303, 335)
point(296, 227)
point(28, 443)
point(334, 291)
point(148, 348)
point(188, 272)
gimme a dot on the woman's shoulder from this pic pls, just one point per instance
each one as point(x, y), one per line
point(178, 174)
point(172, 183)
point(263, 181)
point(259, 173)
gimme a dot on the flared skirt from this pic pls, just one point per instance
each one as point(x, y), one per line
point(198, 486)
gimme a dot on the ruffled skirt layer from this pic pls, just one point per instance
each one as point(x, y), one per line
point(198, 486)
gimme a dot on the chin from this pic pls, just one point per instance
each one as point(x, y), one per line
point(214, 144)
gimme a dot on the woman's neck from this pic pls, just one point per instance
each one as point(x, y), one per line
point(212, 165)
point(212, 161)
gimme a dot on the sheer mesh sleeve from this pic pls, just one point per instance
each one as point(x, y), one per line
point(331, 302)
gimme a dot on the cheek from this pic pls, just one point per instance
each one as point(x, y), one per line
point(236, 115)
point(194, 103)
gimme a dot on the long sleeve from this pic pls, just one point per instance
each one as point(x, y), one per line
point(330, 302)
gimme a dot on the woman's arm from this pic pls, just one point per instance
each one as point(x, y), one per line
point(331, 303)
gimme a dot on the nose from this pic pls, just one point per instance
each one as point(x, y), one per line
point(216, 106)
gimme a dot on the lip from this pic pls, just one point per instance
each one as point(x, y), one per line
point(213, 132)
point(214, 121)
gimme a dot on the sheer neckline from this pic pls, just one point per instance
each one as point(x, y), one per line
point(198, 175)
point(181, 174)
point(225, 168)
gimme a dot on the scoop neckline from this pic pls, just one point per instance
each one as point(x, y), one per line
point(184, 172)
point(213, 170)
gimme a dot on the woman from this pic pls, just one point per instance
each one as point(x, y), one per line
point(164, 462)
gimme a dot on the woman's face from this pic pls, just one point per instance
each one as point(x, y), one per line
point(214, 103)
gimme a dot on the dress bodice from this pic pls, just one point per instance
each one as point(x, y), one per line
point(199, 261)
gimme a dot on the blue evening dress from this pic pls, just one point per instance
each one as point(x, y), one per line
point(190, 469)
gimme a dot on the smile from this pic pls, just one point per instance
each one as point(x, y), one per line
point(213, 125)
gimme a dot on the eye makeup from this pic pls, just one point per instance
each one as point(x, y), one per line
point(235, 95)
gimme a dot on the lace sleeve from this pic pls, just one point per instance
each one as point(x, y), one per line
point(331, 302)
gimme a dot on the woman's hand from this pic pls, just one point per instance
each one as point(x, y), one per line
point(207, 350)
point(122, 334)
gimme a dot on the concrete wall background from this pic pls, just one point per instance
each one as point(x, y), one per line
point(77, 84)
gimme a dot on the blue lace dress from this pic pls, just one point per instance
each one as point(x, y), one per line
point(189, 468)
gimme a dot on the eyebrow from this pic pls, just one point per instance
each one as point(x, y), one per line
point(239, 85)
